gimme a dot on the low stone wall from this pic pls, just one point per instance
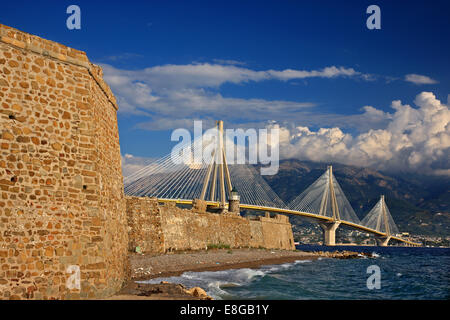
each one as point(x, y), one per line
point(194, 230)
point(272, 233)
point(144, 225)
point(158, 228)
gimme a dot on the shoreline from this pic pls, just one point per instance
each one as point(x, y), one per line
point(215, 261)
point(229, 266)
point(146, 267)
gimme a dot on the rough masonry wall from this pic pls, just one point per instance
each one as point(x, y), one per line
point(272, 233)
point(161, 228)
point(190, 230)
point(62, 201)
point(144, 225)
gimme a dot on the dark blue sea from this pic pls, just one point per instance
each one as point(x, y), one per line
point(404, 273)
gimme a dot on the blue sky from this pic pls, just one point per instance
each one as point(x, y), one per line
point(296, 63)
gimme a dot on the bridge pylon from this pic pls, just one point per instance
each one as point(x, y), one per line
point(220, 173)
point(179, 176)
point(326, 198)
point(380, 219)
point(329, 195)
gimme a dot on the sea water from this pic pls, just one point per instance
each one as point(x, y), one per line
point(405, 273)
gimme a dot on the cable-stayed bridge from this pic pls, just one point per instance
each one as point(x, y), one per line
point(178, 178)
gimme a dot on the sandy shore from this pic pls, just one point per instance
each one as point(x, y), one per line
point(146, 267)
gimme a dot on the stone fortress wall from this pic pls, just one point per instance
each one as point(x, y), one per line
point(61, 188)
point(63, 212)
point(156, 228)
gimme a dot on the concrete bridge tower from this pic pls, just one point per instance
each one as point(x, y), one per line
point(223, 180)
point(329, 200)
point(380, 219)
point(325, 198)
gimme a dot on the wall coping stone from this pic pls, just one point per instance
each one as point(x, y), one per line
point(57, 51)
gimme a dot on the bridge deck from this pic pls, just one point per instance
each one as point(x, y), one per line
point(316, 217)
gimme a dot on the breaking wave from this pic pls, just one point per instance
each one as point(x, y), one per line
point(216, 283)
point(408, 273)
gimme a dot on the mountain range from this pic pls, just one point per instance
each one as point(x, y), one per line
point(419, 204)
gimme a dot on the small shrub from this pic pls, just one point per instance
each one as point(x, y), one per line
point(218, 246)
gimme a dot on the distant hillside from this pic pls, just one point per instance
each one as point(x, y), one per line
point(419, 205)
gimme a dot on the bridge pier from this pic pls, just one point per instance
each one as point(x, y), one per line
point(329, 232)
point(382, 241)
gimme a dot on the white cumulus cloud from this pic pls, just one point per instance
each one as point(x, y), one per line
point(185, 91)
point(415, 139)
point(131, 163)
point(419, 79)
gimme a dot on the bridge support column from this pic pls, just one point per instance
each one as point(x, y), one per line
point(382, 241)
point(329, 232)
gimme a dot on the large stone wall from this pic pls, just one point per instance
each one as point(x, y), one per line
point(61, 191)
point(158, 228)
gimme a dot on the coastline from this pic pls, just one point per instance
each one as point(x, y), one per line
point(146, 267)
point(149, 267)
